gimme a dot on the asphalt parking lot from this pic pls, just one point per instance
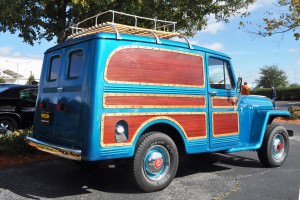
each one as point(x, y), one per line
point(206, 176)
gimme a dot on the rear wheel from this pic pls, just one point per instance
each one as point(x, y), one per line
point(155, 162)
point(275, 147)
point(7, 125)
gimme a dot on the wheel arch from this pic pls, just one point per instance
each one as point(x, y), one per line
point(167, 126)
point(12, 115)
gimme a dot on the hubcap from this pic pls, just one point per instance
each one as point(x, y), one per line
point(156, 162)
point(4, 128)
point(278, 146)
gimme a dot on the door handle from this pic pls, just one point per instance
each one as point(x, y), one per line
point(212, 93)
point(60, 89)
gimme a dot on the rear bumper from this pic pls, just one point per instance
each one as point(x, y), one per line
point(74, 154)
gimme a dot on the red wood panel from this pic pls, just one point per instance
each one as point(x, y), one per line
point(109, 126)
point(225, 124)
point(153, 66)
point(153, 101)
point(193, 125)
point(223, 102)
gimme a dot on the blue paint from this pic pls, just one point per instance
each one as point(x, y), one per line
point(79, 127)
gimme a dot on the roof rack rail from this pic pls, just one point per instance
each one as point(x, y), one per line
point(160, 27)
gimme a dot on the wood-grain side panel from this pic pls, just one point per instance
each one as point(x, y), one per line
point(225, 124)
point(224, 102)
point(192, 125)
point(109, 127)
point(152, 101)
point(155, 66)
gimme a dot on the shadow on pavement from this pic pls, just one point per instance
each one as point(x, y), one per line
point(213, 162)
point(62, 178)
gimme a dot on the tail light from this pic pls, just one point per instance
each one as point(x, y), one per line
point(60, 107)
point(42, 105)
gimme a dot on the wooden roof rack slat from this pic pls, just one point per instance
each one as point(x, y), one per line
point(79, 30)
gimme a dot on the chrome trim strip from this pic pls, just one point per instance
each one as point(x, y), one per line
point(73, 154)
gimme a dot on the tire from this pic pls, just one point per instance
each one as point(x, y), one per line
point(155, 162)
point(8, 125)
point(275, 146)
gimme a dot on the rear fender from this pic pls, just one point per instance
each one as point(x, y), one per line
point(153, 122)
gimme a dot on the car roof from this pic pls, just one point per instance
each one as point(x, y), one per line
point(133, 38)
point(11, 91)
point(9, 85)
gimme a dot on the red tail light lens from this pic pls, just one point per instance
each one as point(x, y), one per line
point(41, 105)
point(58, 107)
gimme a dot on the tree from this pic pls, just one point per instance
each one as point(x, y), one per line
point(2, 80)
point(271, 76)
point(48, 19)
point(30, 79)
point(286, 19)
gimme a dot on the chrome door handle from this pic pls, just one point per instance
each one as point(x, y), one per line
point(60, 89)
point(212, 93)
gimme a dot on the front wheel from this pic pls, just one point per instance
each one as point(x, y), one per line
point(155, 162)
point(275, 147)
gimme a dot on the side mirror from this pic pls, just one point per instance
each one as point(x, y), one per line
point(239, 84)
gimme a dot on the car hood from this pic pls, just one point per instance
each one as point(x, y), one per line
point(257, 102)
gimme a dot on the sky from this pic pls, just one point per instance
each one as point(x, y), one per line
point(249, 52)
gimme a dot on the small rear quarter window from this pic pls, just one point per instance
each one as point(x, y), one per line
point(54, 68)
point(75, 64)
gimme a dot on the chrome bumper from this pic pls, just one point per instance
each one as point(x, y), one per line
point(74, 154)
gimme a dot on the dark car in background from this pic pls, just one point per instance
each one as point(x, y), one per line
point(17, 106)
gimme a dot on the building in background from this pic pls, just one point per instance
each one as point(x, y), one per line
point(10, 76)
point(17, 70)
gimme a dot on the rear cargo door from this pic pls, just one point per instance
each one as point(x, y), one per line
point(69, 95)
point(61, 97)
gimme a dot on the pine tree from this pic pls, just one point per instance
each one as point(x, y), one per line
point(30, 79)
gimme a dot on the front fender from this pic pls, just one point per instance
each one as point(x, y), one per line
point(261, 119)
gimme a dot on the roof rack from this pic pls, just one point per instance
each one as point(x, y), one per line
point(160, 27)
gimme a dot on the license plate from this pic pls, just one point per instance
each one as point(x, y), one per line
point(45, 118)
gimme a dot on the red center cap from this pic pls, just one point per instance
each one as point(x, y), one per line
point(279, 146)
point(158, 163)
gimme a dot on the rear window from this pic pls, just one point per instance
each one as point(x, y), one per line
point(54, 67)
point(75, 64)
point(29, 94)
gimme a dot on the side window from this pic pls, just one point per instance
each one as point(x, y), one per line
point(75, 64)
point(219, 74)
point(28, 95)
point(54, 68)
